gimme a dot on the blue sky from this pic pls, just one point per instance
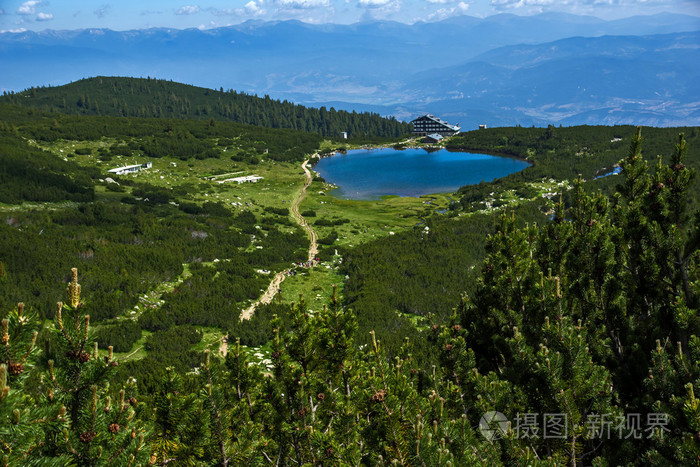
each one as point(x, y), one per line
point(127, 14)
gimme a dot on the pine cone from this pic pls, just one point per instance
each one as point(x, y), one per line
point(80, 356)
point(448, 347)
point(133, 401)
point(321, 396)
point(87, 436)
point(114, 428)
point(378, 396)
point(16, 368)
point(677, 167)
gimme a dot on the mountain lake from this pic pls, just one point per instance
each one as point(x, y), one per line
point(371, 174)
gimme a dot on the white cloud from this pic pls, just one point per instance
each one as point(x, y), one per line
point(188, 10)
point(441, 2)
point(514, 4)
point(251, 9)
point(504, 4)
point(102, 11)
point(28, 7)
point(2, 31)
point(607, 9)
point(373, 3)
point(226, 11)
point(254, 9)
point(304, 4)
point(279, 8)
point(444, 13)
point(377, 10)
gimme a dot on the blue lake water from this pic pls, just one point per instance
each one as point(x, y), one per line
point(370, 174)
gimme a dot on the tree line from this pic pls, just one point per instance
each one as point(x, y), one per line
point(564, 153)
point(151, 137)
point(154, 98)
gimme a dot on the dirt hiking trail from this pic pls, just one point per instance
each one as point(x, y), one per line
point(274, 286)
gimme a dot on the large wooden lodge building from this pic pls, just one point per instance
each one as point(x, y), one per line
point(430, 124)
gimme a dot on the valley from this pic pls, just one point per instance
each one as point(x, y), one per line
point(280, 197)
point(226, 284)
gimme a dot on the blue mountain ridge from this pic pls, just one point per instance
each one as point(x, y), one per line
point(503, 69)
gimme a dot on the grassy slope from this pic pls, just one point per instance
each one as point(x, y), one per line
point(367, 220)
point(281, 183)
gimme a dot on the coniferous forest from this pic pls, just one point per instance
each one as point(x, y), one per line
point(519, 336)
point(150, 97)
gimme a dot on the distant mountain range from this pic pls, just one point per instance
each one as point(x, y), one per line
point(500, 70)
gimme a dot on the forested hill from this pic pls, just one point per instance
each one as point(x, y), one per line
point(147, 97)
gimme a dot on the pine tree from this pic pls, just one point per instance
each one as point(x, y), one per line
point(674, 376)
point(100, 431)
point(23, 423)
point(180, 427)
point(625, 275)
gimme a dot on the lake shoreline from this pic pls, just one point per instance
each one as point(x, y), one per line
point(369, 174)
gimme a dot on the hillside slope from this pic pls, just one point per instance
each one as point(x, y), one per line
point(138, 97)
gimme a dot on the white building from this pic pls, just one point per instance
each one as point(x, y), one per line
point(239, 180)
point(130, 169)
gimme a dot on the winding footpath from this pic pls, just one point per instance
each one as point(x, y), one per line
point(274, 286)
point(313, 237)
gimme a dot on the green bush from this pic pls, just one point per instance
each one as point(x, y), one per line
point(330, 222)
point(121, 336)
point(278, 211)
point(329, 239)
point(115, 188)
